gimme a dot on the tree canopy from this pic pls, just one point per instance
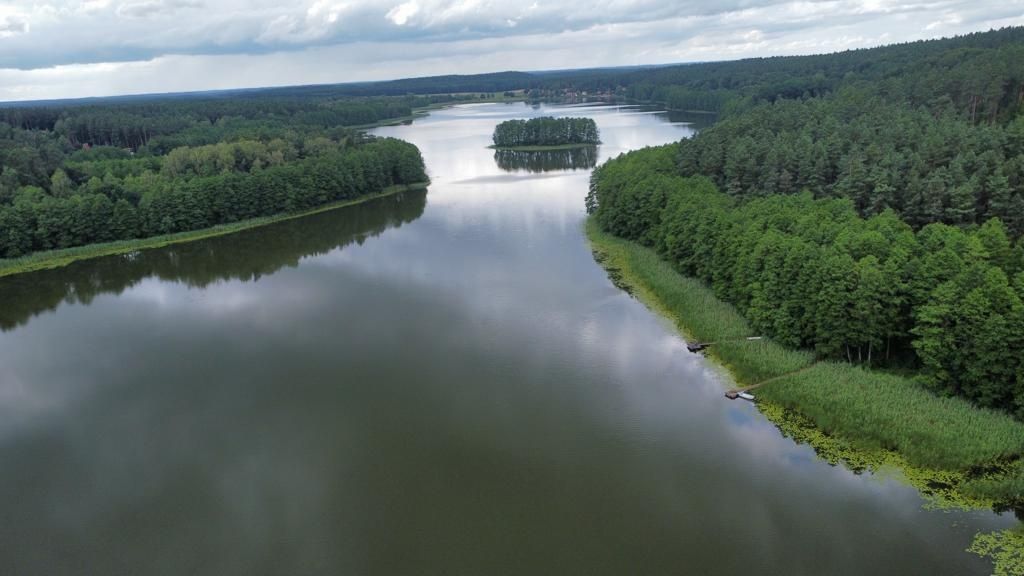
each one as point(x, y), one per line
point(813, 273)
point(546, 131)
point(866, 205)
point(73, 175)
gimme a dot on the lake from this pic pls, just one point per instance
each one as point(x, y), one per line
point(439, 382)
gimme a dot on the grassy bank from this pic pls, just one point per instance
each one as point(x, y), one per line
point(695, 310)
point(58, 258)
point(976, 450)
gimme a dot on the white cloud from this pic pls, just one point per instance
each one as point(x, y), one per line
point(93, 5)
point(947, 20)
point(72, 48)
point(403, 12)
point(12, 25)
point(148, 8)
point(12, 22)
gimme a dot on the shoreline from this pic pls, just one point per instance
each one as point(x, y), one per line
point(987, 483)
point(59, 258)
point(426, 110)
point(52, 259)
point(629, 268)
point(63, 257)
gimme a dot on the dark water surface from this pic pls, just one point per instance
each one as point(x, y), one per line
point(432, 383)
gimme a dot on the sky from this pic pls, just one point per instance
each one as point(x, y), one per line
point(79, 48)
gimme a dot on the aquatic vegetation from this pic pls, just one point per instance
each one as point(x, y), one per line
point(694, 309)
point(894, 413)
point(1006, 549)
point(943, 489)
point(955, 453)
point(1004, 483)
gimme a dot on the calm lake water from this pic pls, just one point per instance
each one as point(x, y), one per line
point(439, 382)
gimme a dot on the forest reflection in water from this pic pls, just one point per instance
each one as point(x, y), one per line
point(469, 394)
point(245, 256)
point(582, 158)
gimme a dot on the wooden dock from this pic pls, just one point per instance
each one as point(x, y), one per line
point(701, 346)
point(735, 392)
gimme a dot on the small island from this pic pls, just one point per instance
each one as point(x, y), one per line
point(546, 133)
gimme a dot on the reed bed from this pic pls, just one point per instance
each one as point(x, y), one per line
point(894, 413)
point(869, 409)
point(696, 311)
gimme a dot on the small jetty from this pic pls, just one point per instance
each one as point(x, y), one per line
point(702, 346)
point(739, 395)
point(744, 393)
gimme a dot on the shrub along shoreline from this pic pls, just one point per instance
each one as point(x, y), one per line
point(964, 455)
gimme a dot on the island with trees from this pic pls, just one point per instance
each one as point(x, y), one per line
point(546, 133)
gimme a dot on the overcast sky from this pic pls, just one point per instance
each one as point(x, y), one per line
point(74, 48)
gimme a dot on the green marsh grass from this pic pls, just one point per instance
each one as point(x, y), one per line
point(976, 450)
point(696, 311)
point(894, 413)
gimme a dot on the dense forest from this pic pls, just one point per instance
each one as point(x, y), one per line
point(79, 174)
point(929, 164)
point(202, 264)
point(974, 75)
point(965, 73)
point(546, 131)
point(875, 220)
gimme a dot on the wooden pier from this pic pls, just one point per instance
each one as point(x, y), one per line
point(736, 392)
point(701, 346)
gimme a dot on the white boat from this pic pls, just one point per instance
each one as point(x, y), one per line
point(746, 396)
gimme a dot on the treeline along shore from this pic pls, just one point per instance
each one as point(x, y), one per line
point(871, 232)
point(826, 288)
point(198, 188)
point(84, 180)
